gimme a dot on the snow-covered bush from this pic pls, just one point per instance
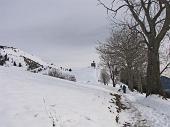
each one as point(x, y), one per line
point(69, 77)
point(59, 74)
point(54, 73)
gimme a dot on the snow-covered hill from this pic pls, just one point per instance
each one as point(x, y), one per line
point(35, 100)
point(19, 56)
point(10, 56)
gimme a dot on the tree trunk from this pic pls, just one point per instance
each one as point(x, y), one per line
point(113, 79)
point(112, 74)
point(153, 72)
point(130, 78)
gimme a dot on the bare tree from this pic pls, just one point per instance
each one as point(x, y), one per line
point(104, 76)
point(107, 61)
point(152, 19)
point(124, 50)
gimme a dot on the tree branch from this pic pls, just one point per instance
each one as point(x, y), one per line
point(166, 67)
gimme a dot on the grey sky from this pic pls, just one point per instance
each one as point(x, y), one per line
point(60, 31)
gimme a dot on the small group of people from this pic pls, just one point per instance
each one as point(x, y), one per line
point(123, 87)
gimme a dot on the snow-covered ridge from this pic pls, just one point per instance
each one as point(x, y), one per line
point(10, 56)
point(18, 55)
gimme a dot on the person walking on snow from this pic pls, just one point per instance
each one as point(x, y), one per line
point(124, 89)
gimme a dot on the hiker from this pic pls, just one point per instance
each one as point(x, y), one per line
point(93, 64)
point(124, 89)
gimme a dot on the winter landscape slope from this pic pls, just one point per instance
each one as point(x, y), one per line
point(28, 99)
point(19, 56)
point(34, 100)
point(10, 56)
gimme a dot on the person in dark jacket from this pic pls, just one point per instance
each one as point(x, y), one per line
point(124, 89)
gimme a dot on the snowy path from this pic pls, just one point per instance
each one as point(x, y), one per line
point(142, 112)
point(153, 109)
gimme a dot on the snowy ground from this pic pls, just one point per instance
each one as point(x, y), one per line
point(143, 112)
point(28, 100)
point(153, 109)
point(35, 100)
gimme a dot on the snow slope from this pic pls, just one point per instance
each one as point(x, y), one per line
point(34, 100)
point(17, 55)
point(87, 75)
point(10, 56)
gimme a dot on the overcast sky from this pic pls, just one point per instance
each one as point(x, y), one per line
point(61, 31)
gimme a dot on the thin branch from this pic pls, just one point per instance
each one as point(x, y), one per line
point(166, 67)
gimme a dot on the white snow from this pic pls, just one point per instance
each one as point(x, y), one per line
point(28, 100)
point(87, 75)
point(154, 109)
point(35, 100)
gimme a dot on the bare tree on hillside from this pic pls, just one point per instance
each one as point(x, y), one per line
point(108, 62)
point(104, 77)
point(124, 49)
point(152, 20)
